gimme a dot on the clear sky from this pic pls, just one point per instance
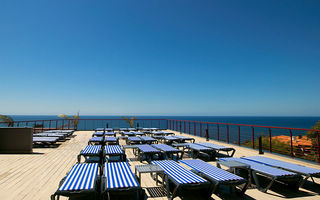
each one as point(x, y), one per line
point(160, 57)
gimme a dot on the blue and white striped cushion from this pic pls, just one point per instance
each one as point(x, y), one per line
point(211, 171)
point(109, 133)
point(166, 148)
point(170, 138)
point(110, 139)
point(147, 148)
point(81, 177)
point(178, 173)
point(282, 164)
point(198, 147)
point(119, 175)
point(91, 149)
point(147, 138)
point(214, 146)
point(98, 133)
point(134, 139)
point(113, 149)
point(96, 139)
point(261, 168)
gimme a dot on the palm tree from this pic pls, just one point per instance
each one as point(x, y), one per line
point(129, 121)
point(4, 119)
point(73, 121)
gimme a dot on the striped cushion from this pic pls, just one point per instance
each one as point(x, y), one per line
point(182, 137)
point(198, 147)
point(214, 172)
point(261, 168)
point(98, 133)
point(45, 139)
point(134, 139)
point(284, 165)
point(146, 148)
point(110, 139)
point(81, 177)
point(147, 138)
point(113, 149)
point(109, 133)
point(214, 146)
point(170, 138)
point(178, 173)
point(119, 175)
point(96, 139)
point(166, 148)
point(91, 149)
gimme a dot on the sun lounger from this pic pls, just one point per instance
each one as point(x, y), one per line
point(111, 140)
point(137, 133)
point(169, 152)
point(98, 134)
point(45, 140)
point(131, 129)
point(91, 153)
point(169, 139)
point(128, 133)
point(148, 140)
point(134, 140)
point(99, 129)
point(184, 138)
point(120, 183)
point(198, 150)
point(216, 175)
point(185, 183)
point(95, 140)
point(114, 153)
point(299, 169)
point(81, 181)
point(110, 133)
point(147, 152)
point(219, 148)
point(60, 136)
point(274, 174)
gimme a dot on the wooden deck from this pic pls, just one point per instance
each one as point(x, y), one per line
point(37, 176)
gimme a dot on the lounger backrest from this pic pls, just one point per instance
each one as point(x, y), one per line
point(81, 177)
point(147, 148)
point(261, 168)
point(178, 173)
point(96, 139)
point(134, 138)
point(282, 164)
point(147, 138)
point(210, 170)
point(91, 149)
point(164, 147)
point(214, 146)
point(113, 149)
point(198, 147)
point(119, 175)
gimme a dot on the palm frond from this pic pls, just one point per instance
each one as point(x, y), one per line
point(129, 121)
point(7, 120)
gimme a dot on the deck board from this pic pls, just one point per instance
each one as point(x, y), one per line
point(37, 176)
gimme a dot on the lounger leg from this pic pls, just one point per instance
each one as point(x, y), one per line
point(258, 184)
point(53, 197)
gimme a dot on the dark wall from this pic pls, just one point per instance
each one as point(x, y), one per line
point(16, 140)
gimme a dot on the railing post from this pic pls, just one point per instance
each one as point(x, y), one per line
point(239, 143)
point(318, 141)
point(228, 134)
point(180, 127)
point(270, 143)
point(189, 127)
point(252, 137)
point(159, 123)
point(200, 129)
point(218, 130)
point(291, 145)
point(50, 125)
point(18, 124)
point(207, 134)
point(176, 125)
point(42, 125)
point(194, 131)
point(56, 124)
point(208, 129)
point(151, 123)
point(184, 128)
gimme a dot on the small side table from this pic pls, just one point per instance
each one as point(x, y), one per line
point(233, 165)
point(150, 168)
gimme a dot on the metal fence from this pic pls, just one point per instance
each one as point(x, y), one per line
point(294, 142)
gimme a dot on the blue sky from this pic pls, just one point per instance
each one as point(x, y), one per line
point(160, 57)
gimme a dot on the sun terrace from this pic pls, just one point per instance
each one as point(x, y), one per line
point(38, 175)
